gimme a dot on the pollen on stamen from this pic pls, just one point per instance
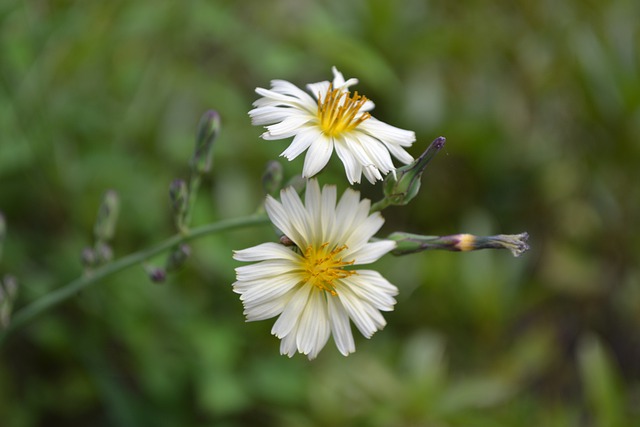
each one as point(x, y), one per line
point(338, 110)
point(322, 267)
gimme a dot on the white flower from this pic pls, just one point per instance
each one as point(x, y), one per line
point(311, 285)
point(332, 118)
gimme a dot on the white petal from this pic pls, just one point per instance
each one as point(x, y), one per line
point(257, 292)
point(313, 327)
point(339, 81)
point(291, 313)
point(377, 152)
point(387, 133)
point(313, 205)
point(303, 139)
point(358, 311)
point(267, 310)
point(288, 344)
point(375, 279)
point(287, 88)
point(372, 174)
point(373, 290)
point(399, 153)
point(360, 233)
point(340, 326)
point(264, 269)
point(351, 166)
point(268, 115)
point(367, 106)
point(371, 252)
point(346, 212)
point(297, 215)
point(327, 212)
point(280, 218)
point(317, 156)
point(287, 128)
point(265, 251)
point(319, 90)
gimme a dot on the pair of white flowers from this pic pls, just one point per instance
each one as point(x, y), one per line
point(313, 285)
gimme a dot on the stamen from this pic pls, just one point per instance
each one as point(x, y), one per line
point(337, 112)
point(322, 267)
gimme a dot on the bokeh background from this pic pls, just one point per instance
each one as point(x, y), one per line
point(540, 104)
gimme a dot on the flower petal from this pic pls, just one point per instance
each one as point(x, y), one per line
point(340, 327)
point(317, 156)
point(371, 252)
point(290, 316)
point(313, 327)
point(265, 251)
point(303, 139)
point(280, 218)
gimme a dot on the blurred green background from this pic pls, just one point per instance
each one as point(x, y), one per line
point(540, 104)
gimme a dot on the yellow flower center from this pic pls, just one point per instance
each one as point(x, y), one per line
point(337, 112)
point(322, 267)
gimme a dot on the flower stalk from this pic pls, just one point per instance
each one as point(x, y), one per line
point(58, 296)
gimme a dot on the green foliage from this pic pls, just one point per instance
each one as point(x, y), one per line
point(540, 105)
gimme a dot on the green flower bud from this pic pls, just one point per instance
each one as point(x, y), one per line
point(10, 284)
point(208, 130)
point(400, 188)
point(107, 216)
point(179, 195)
point(408, 243)
point(272, 178)
point(8, 294)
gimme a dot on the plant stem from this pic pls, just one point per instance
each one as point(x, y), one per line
point(379, 205)
point(62, 294)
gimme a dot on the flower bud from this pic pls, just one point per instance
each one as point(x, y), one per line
point(178, 257)
point(403, 185)
point(408, 243)
point(208, 130)
point(156, 274)
point(179, 196)
point(8, 294)
point(10, 284)
point(103, 253)
point(107, 216)
point(88, 257)
point(272, 178)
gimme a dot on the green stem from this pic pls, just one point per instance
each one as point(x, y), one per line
point(379, 205)
point(62, 294)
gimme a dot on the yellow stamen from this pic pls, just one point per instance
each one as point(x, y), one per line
point(322, 267)
point(337, 112)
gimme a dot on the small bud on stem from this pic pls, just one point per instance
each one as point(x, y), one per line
point(156, 274)
point(107, 217)
point(178, 257)
point(8, 294)
point(403, 185)
point(272, 178)
point(412, 243)
point(208, 130)
point(179, 196)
